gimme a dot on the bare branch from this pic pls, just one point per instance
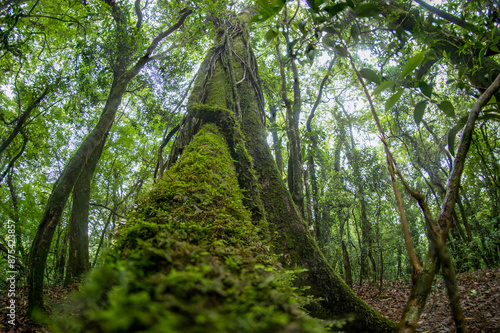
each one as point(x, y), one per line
point(138, 12)
point(106, 207)
point(320, 93)
point(184, 14)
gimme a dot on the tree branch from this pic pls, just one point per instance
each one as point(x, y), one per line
point(450, 18)
point(458, 165)
point(184, 14)
point(11, 164)
point(106, 207)
point(320, 93)
point(138, 12)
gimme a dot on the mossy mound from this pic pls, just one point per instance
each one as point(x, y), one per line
point(190, 259)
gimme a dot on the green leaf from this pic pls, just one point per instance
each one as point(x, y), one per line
point(289, 46)
point(368, 10)
point(335, 9)
point(391, 101)
point(277, 5)
point(310, 53)
point(328, 42)
point(314, 4)
point(319, 19)
point(451, 136)
point(350, 3)
point(447, 108)
point(340, 50)
point(271, 34)
point(425, 88)
point(382, 86)
point(370, 75)
point(412, 63)
point(355, 32)
point(462, 71)
point(302, 27)
point(260, 17)
point(481, 55)
point(330, 29)
point(490, 116)
point(492, 100)
point(418, 113)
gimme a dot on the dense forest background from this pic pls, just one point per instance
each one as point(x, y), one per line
point(382, 119)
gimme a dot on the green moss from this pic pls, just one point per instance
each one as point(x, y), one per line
point(230, 128)
point(190, 259)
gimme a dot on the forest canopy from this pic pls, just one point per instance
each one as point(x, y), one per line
point(230, 166)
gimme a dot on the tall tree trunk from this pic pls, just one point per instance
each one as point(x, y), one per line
point(311, 168)
point(295, 168)
point(345, 254)
point(278, 155)
point(78, 255)
point(213, 94)
point(66, 181)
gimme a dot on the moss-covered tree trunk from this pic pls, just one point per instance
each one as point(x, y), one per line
point(228, 80)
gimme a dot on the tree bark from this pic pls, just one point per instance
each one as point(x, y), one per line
point(291, 238)
point(78, 255)
point(66, 181)
point(438, 232)
point(295, 168)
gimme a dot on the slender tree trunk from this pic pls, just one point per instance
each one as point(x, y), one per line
point(78, 255)
point(102, 238)
point(309, 201)
point(66, 181)
point(366, 231)
point(61, 256)
point(295, 168)
point(15, 217)
point(311, 168)
point(345, 254)
point(438, 232)
point(278, 155)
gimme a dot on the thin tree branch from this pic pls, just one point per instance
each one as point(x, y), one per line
point(320, 93)
point(459, 162)
point(450, 18)
point(106, 207)
point(138, 12)
point(11, 164)
point(184, 14)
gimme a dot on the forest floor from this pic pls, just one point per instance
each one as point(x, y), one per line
point(480, 292)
